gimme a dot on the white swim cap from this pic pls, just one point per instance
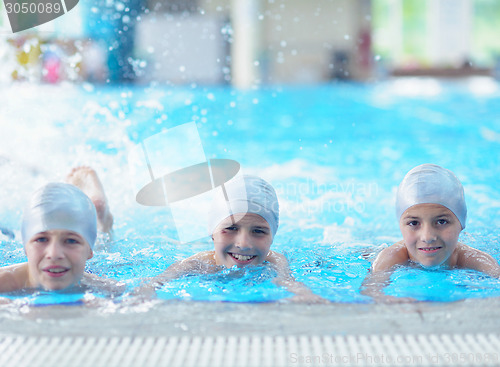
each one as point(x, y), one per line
point(431, 184)
point(246, 194)
point(60, 206)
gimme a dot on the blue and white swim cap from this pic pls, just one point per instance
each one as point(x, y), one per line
point(60, 206)
point(246, 194)
point(431, 184)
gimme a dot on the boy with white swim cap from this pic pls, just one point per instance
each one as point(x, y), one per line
point(244, 220)
point(59, 230)
point(431, 209)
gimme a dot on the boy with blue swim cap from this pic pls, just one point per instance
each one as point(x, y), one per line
point(59, 230)
point(244, 220)
point(431, 209)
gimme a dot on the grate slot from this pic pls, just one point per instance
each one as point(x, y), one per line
point(248, 351)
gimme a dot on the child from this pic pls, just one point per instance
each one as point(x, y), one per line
point(59, 229)
point(430, 206)
point(242, 226)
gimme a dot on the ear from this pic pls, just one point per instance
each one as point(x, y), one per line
point(91, 254)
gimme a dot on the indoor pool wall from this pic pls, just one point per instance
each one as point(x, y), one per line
point(320, 133)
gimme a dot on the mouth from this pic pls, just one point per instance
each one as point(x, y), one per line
point(55, 271)
point(242, 259)
point(430, 250)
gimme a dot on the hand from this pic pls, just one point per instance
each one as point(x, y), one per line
point(5, 301)
point(393, 299)
point(309, 298)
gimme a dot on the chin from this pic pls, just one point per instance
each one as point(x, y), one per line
point(432, 265)
point(55, 287)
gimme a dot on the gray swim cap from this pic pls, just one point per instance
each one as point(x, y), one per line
point(60, 206)
point(431, 184)
point(246, 194)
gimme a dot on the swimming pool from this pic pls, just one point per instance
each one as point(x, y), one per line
point(335, 154)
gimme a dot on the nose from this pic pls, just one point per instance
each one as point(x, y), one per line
point(54, 250)
point(243, 240)
point(428, 234)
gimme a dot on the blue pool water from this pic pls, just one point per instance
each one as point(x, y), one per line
point(335, 154)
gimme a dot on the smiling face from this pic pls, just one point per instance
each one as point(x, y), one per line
point(241, 240)
point(430, 233)
point(56, 259)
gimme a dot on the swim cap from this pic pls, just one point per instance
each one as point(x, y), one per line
point(246, 194)
point(431, 184)
point(60, 206)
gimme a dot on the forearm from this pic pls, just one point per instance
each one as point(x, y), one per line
point(373, 286)
point(293, 286)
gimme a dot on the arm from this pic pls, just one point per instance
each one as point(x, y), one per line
point(110, 286)
point(199, 263)
point(379, 275)
point(285, 279)
point(13, 277)
point(471, 258)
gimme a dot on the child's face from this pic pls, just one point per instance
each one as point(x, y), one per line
point(56, 258)
point(430, 233)
point(241, 240)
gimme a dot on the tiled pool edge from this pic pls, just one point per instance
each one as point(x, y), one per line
point(270, 319)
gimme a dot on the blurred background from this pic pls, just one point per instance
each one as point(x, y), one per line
point(247, 43)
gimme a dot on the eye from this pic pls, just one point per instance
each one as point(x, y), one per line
point(73, 241)
point(231, 228)
point(40, 239)
point(442, 222)
point(413, 223)
point(260, 231)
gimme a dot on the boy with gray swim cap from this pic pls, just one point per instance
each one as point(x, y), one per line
point(59, 230)
point(243, 222)
point(431, 209)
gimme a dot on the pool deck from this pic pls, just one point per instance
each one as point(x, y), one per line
point(152, 319)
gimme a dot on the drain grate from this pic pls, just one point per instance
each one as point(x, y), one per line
point(370, 350)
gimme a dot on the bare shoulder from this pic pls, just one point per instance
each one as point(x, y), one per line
point(280, 263)
point(472, 258)
point(14, 277)
point(467, 255)
point(207, 257)
point(276, 258)
point(201, 262)
point(198, 263)
point(396, 254)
